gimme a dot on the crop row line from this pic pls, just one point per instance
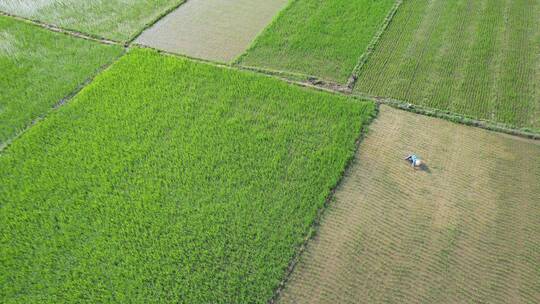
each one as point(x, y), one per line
point(372, 45)
point(238, 59)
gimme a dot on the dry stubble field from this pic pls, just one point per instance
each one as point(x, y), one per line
point(464, 231)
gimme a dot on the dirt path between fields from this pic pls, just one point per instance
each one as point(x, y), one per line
point(217, 30)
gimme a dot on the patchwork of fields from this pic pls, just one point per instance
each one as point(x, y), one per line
point(38, 69)
point(477, 58)
point(163, 179)
point(463, 231)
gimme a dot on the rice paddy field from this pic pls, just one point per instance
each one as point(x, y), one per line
point(464, 230)
point(319, 38)
point(113, 19)
point(152, 167)
point(476, 58)
point(38, 69)
point(167, 180)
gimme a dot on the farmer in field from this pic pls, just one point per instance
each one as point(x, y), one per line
point(415, 161)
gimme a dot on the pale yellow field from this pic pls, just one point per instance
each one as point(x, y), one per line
point(467, 230)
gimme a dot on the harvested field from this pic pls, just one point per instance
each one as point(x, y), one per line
point(465, 230)
point(169, 181)
point(319, 38)
point(38, 68)
point(218, 30)
point(476, 58)
point(113, 19)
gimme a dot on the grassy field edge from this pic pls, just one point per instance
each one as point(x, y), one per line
point(452, 117)
point(5, 145)
point(373, 45)
point(237, 61)
point(314, 227)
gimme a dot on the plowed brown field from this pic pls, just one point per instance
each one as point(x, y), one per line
point(465, 230)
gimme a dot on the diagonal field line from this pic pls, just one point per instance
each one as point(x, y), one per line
point(351, 83)
point(55, 28)
point(5, 145)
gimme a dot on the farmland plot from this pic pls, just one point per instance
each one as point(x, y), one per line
point(38, 68)
point(113, 19)
point(169, 181)
point(476, 58)
point(319, 38)
point(218, 30)
point(465, 230)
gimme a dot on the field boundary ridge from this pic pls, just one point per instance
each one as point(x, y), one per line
point(66, 31)
point(451, 116)
point(5, 145)
point(372, 45)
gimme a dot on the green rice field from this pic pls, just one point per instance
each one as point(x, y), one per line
point(167, 180)
point(114, 19)
point(38, 69)
point(476, 58)
point(319, 38)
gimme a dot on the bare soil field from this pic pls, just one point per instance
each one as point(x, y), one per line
point(217, 30)
point(465, 230)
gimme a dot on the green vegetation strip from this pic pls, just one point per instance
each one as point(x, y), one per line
point(319, 38)
point(170, 181)
point(39, 68)
point(476, 58)
point(113, 19)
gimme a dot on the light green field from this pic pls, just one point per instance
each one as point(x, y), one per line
point(319, 38)
point(465, 230)
point(113, 19)
point(477, 58)
point(169, 181)
point(38, 69)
